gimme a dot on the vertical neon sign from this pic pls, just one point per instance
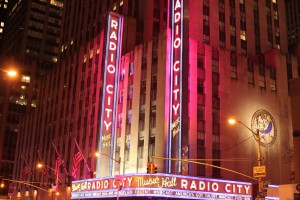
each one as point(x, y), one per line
point(175, 136)
point(109, 91)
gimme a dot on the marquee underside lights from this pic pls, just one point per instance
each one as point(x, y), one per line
point(175, 134)
point(162, 185)
point(110, 82)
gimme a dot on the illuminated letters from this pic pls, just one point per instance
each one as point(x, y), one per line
point(111, 70)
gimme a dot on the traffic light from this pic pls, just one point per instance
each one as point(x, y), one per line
point(151, 168)
point(155, 168)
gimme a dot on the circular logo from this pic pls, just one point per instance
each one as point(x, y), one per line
point(263, 122)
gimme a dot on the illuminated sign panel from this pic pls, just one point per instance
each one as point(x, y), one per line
point(162, 185)
point(110, 84)
point(176, 83)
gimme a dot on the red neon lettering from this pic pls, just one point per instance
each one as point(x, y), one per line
point(112, 57)
point(226, 187)
point(177, 42)
point(184, 184)
point(107, 125)
point(114, 24)
point(108, 89)
point(108, 111)
point(111, 69)
point(215, 187)
point(177, 5)
point(177, 17)
point(176, 93)
point(112, 46)
point(175, 108)
point(113, 35)
point(175, 67)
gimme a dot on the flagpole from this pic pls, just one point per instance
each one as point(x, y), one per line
point(60, 157)
point(26, 164)
point(87, 166)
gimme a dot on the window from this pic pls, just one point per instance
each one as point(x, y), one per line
point(273, 79)
point(25, 79)
point(262, 82)
point(233, 72)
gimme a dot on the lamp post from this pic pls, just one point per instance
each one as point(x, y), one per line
point(257, 138)
point(97, 154)
point(40, 166)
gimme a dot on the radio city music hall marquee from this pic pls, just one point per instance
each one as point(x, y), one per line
point(161, 185)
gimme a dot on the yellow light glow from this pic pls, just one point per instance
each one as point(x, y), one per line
point(231, 121)
point(39, 165)
point(97, 154)
point(12, 73)
point(57, 193)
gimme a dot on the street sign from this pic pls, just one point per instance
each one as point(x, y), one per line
point(259, 171)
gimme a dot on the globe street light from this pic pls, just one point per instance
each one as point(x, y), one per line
point(97, 154)
point(233, 121)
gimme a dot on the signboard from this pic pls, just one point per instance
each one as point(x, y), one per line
point(175, 136)
point(109, 89)
point(162, 185)
point(259, 171)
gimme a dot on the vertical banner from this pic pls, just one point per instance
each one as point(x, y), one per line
point(109, 93)
point(175, 135)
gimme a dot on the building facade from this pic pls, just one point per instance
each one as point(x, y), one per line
point(29, 44)
point(168, 97)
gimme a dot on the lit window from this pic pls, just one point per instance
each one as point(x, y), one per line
point(33, 104)
point(115, 8)
point(6, 1)
point(1, 30)
point(98, 51)
point(242, 1)
point(5, 6)
point(25, 79)
point(274, 1)
point(84, 58)
point(243, 35)
point(72, 42)
point(54, 59)
point(121, 3)
point(23, 87)
point(2, 24)
point(91, 53)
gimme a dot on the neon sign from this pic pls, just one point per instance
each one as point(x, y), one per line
point(110, 82)
point(176, 84)
point(163, 185)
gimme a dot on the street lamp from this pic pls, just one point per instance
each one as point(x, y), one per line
point(97, 154)
point(233, 121)
point(40, 166)
point(10, 73)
